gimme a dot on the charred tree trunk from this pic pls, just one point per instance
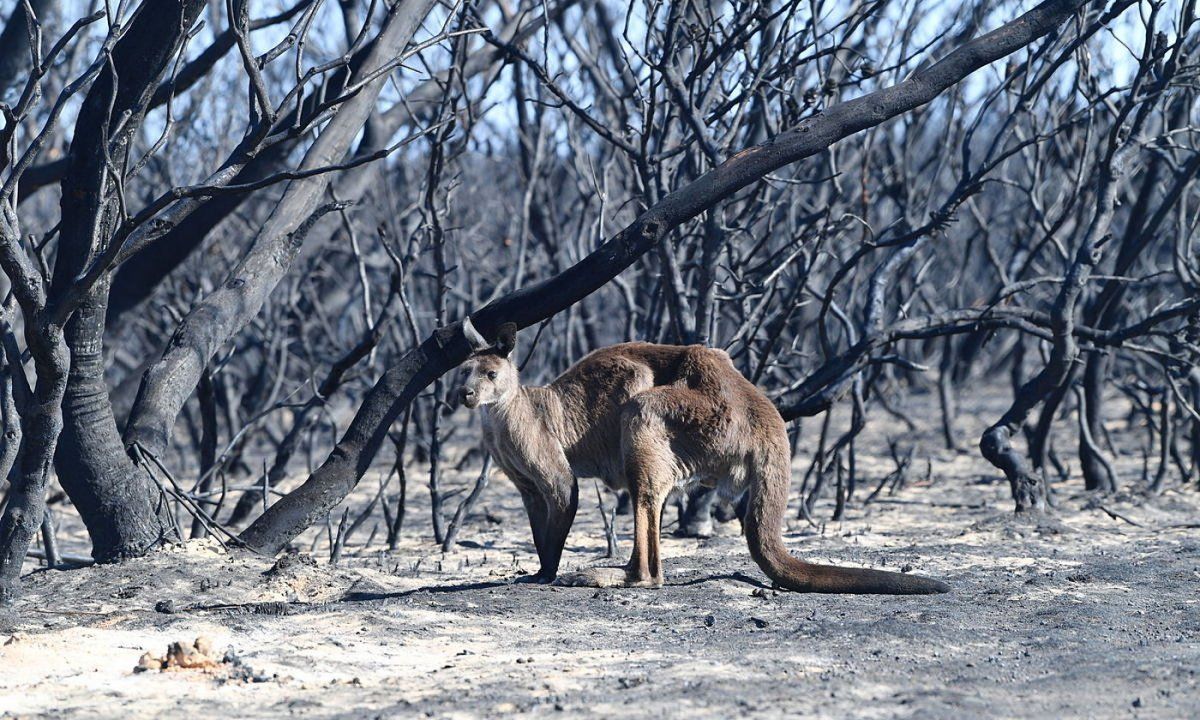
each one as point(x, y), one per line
point(121, 506)
point(41, 424)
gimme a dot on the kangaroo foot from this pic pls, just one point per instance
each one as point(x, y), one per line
point(725, 512)
point(606, 577)
point(695, 528)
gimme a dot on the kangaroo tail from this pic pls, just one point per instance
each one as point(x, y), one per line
point(764, 533)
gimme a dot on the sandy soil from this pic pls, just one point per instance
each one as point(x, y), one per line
point(1087, 616)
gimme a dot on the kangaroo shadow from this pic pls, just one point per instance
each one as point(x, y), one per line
point(366, 596)
point(734, 576)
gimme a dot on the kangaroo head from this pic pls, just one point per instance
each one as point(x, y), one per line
point(489, 375)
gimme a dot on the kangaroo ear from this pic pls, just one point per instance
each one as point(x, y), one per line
point(506, 339)
point(477, 341)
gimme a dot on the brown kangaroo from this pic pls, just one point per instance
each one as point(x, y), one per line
point(647, 418)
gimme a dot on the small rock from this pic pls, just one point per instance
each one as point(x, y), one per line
point(204, 646)
point(166, 607)
point(758, 622)
point(148, 662)
point(188, 656)
point(710, 620)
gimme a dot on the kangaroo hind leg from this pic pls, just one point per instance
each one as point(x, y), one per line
point(648, 490)
point(652, 475)
point(661, 439)
point(651, 471)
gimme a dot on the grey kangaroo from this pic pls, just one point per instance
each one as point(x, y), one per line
point(647, 418)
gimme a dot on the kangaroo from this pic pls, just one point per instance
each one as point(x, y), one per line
point(647, 418)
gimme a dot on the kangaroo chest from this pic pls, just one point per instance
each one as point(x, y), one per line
point(528, 448)
point(518, 448)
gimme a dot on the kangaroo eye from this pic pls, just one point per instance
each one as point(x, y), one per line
point(491, 374)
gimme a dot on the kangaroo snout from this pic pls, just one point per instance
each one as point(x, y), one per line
point(468, 397)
